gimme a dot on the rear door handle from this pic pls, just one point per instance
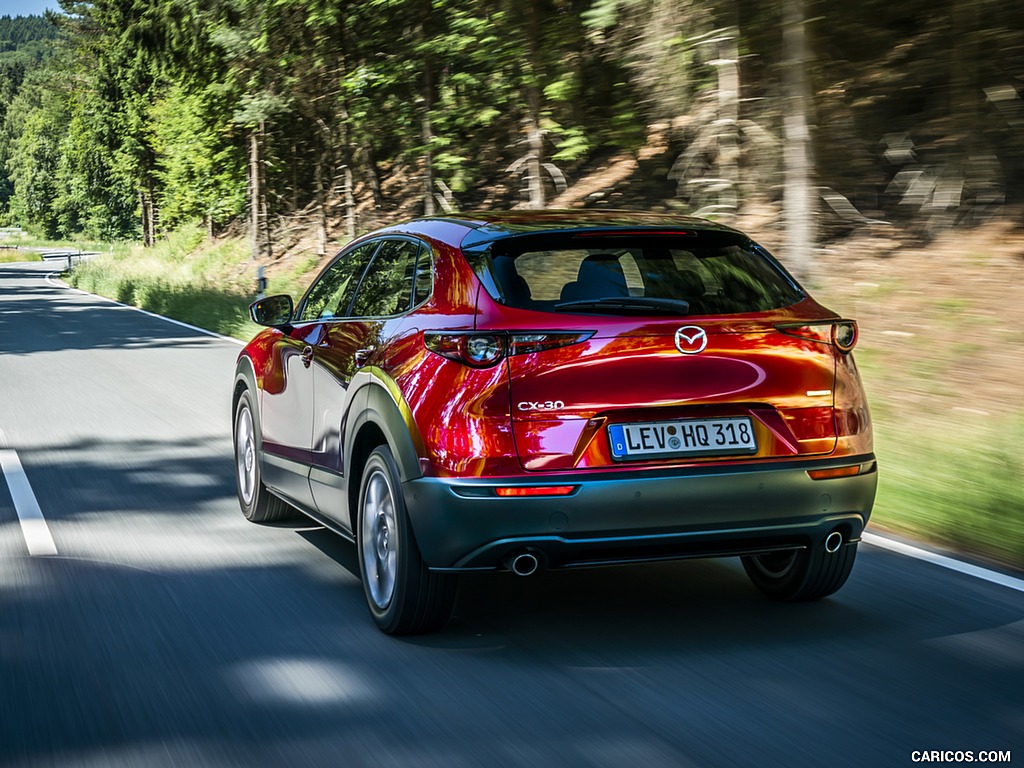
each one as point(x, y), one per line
point(362, 355)
point(306, 356)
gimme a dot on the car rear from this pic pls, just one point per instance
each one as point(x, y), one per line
point(671, 392)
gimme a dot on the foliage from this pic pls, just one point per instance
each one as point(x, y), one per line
point(122, 117)
point(201, 173)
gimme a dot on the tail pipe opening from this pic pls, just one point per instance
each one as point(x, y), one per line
point(523, 563)
point(833, 542)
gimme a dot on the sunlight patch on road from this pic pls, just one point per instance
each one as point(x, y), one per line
point(997, 646)
point(311, 682)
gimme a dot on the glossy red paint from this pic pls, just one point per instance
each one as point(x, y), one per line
point(804, 395)
point(329, 387)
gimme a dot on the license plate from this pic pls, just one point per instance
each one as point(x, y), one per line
point(686, 437)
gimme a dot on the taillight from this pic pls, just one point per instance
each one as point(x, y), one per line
point(476, 350)
point(840, 333)
point(526, 343)
point(844, 335)
point(482, 350)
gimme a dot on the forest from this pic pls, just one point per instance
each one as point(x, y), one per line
point(123, 119)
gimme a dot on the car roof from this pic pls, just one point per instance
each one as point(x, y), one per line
point(487, 226)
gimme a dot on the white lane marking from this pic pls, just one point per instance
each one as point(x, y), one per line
point(33, 525)
point(993, 577)
point(151, 314)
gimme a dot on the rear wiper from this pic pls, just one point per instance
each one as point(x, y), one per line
point(637, 304)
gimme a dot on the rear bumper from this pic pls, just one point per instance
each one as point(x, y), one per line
point(618, 517)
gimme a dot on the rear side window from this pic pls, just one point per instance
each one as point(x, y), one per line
point(388, 285)
point(717, 273)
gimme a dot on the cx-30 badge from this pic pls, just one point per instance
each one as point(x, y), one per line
point(690, 339)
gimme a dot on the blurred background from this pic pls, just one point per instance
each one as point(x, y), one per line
point(876, 147)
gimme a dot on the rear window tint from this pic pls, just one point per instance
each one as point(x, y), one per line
point(713, 272)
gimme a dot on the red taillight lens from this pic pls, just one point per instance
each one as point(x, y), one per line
point(482, 350)
point(841, 333)
point(810, 423)
point(526, 343)
point(535, 490)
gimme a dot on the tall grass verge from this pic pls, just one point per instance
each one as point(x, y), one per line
point(957, 481)
point(210, 288)
point(11, 256)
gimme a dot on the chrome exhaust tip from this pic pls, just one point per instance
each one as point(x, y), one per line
point(833, 542)
point(524, 564)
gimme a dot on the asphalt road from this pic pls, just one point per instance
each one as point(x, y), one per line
point(167, 630)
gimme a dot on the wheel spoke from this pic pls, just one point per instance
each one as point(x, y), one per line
point(379, 539)
point(245, 456)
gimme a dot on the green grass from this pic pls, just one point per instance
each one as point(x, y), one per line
point(957, 481)
point(207, 288)
point(78, 245)
point(7, 257)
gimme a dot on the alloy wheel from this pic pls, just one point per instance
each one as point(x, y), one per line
point(380, 538)
point(245, 456)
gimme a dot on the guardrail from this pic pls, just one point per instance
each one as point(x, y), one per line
point(70, 257)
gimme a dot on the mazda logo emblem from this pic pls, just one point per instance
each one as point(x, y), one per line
point(690, 339)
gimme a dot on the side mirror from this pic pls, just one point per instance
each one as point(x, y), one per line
point(272, 311)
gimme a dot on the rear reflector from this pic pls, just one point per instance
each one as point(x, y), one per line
point(826, 474)
point(536, 490)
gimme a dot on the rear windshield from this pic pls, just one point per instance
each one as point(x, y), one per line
point(693, 274)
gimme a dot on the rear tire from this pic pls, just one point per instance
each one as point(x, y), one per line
point(403, 595)
point(801, 574)
point(258, 504)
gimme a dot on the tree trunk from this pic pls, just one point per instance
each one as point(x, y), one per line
point(535, 141)
point(372, 174)
point(321, 208)
point(728, 120)
point(254, 194)
point(350, 205)
point(428, 160)
point(534, 136)
point(428, 105)
point(798, 196)
point(147, 221)
point(258, 228)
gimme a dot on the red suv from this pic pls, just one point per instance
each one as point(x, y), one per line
point(551, 389)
